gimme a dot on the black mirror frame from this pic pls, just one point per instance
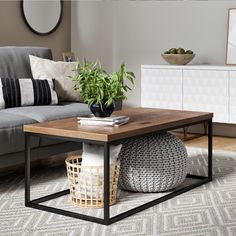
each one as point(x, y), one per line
point(33, 30)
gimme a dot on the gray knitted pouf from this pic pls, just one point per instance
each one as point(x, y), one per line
point(152, 164)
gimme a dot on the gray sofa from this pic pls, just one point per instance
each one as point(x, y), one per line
point(14, 62)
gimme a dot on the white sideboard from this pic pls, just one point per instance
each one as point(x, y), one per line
point(193, 87)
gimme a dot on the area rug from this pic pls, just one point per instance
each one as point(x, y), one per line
point(207, 210)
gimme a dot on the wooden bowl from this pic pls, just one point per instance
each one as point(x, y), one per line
point(178, 59)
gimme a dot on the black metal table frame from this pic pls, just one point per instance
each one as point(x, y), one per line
point(107, 219)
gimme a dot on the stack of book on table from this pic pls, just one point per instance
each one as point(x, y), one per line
point(106, 121)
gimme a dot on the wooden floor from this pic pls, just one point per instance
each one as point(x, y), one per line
point(219, 143)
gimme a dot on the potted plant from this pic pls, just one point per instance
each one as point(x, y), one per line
point(99, 89)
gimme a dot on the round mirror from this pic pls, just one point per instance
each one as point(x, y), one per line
point(42, 16)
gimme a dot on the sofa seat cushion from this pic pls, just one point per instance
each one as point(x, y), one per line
point(48, 113)
point(11, 132)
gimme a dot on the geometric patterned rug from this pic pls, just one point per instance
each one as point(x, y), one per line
point(207, 210)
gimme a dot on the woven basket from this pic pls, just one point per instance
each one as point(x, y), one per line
point(86, 183)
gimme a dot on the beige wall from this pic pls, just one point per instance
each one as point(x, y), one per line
point(14, 31)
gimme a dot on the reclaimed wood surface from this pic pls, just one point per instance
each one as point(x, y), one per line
point(142, 121)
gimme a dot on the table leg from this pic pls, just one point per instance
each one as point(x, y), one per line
point(106, 183)
point(205, 127)
point(27, 169)
point(210, 149)
point(185, 133)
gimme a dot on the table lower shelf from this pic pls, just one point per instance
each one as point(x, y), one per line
point(152, 200)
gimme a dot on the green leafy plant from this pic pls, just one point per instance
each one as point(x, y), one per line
point(95, 85)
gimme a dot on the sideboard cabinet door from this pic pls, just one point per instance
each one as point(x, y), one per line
point(161, 88)
point(232, 97)
point(207, 90)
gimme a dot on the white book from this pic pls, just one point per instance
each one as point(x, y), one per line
point(101, 123)
point(105, 119)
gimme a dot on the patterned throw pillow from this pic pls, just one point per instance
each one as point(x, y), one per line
point(26, 92)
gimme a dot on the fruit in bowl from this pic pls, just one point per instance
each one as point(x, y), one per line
point(178, 56)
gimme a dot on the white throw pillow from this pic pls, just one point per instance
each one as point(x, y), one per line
point(60, 71)
point(93, 155)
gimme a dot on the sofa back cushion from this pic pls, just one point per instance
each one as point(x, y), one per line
point(14, 61)
point(26, 92)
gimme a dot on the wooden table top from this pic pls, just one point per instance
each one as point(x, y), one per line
point(142, 121)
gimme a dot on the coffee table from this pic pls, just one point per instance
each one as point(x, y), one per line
point(143, 121)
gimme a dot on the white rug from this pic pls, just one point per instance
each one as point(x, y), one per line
point(206, 210)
